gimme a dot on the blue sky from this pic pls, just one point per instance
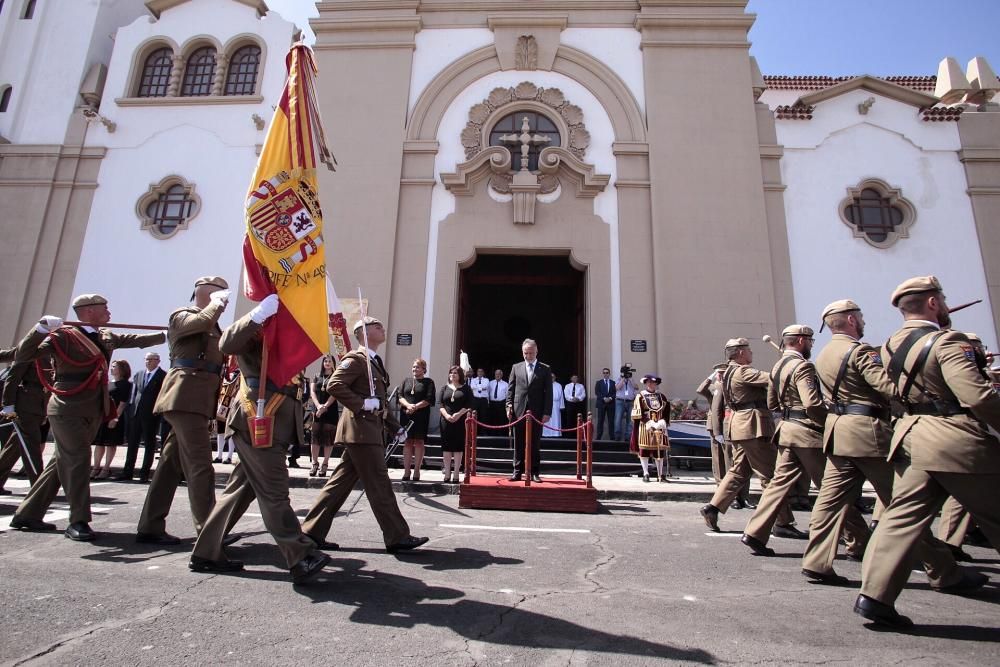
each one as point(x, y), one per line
point(846, 37)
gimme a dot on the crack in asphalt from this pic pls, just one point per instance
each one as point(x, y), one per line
point(609, 556)
point(147, 615)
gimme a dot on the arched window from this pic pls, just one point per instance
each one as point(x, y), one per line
point(510, 127)
point(29, 9)
point(241, 79)
point(5, 98)
point(156, 73)
point(199, 72)
point(168, 206)
point(877, 213)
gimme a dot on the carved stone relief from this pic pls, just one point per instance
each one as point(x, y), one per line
point(526, 54)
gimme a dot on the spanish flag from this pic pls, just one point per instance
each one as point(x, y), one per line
point(283, 251)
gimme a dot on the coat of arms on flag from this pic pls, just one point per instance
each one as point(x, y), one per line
point(281, 219)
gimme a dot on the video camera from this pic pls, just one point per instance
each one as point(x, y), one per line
point(626, 371)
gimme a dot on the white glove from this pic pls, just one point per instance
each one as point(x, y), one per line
point(371, 404)
point(48, 323)
point(401, 436)
point(650, 425)
point(222, 296)
point(719, 439)
point(265, 309)
point(7, 410)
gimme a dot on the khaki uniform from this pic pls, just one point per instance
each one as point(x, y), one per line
point(262, 472)
point(187, 400)
point(74, 419)
point(941, 447)
point(25, 392)
point(749, 428)
point(796, 391)
point(362, 434)
point(954, 524)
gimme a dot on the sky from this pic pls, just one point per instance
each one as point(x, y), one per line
point(844, 37)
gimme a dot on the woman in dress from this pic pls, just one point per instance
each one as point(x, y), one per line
point(456, 401)
point(416, 396)
point(324, 428)
point(112, 432)
point(551, 428)
point(650, 416)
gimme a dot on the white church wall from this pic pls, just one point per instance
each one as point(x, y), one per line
point(438, 48)
point(212, 146)
point(451, 153)
point(618, 48)
point(838, 149)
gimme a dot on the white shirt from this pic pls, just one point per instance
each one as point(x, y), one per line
point(498, 390)
point(480, 387)
point(574, 393)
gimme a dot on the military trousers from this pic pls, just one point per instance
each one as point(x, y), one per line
point(757, 455)
point(69, 467)
point(917, 495)
point(719, 464)
point(954, 524)
point(30, 451)
point(187, 454)
point(842, 482)
point(261, 473)
point(367, 463)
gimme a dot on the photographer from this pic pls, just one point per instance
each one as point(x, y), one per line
point(625, 390)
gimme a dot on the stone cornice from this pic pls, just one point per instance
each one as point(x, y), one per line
point(495, 159)
point(589, 182)
point(875, 85)
point(495, 21)
point(366, 24)
point(52, 150)
point(201, 100)
point(645, 21)
point(157, 7)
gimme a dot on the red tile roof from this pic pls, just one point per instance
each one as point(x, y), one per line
point(781, 82)
point(794, 112)
point(936, 114)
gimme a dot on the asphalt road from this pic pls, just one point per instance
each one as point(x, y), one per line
point(640, 583)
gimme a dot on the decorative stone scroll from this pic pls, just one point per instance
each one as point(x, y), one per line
point(473, 135)
point(526, 54)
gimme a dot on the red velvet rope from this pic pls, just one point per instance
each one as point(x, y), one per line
point(533, 418)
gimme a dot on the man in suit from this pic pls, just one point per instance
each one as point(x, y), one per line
point(142, 422)
point(362, 428)
point(530, 389)
point(262, 472)
point(604, 404)
point(79, 402)
point(941, 446)
point(187, 402)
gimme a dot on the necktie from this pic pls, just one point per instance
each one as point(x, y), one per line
point(496, 390)
point(531, 371)
point(573, 391)
point(145, 380)
point(378, 362)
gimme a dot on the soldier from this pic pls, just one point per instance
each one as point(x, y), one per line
point(79, 402)
point(750, 428)
point(261, 471)
point(187, 401)
point(794, 390)
point(24, 399)
point(361, 430)
point(940, 446)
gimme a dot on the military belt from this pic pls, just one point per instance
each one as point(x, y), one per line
point(938, 409)
point(73, 377)
point(801, 417)
point(254, 383)
point(862, 410)
point(749, 405)
point(196, 364)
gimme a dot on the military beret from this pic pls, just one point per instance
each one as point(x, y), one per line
point(720, 367)
point(841, 306)
point(367, 320)
point(214, 281)
point(89, 300)
point(916, 286)
point(649, 376)
point(974, 338)
point(737, 342)
point(796, 330)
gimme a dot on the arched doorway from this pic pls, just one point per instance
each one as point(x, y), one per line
point(504, 299)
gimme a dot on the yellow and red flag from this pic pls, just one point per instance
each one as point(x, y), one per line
point(283, 250)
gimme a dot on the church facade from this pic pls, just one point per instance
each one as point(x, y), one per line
point(613, 178)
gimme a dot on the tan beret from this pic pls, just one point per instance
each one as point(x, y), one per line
point(368, 320)
point(214, 281)
point(915, 286)
point(974, 338)
point(796, 330)
point(842, 306)
point(89, 300)
point(737, 342)
point(720, 367)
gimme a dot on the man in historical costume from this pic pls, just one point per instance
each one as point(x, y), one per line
point(23, 399)
point(650, 416)
point(530, 388)
point(359, 385)
point(941, 446)
point(188, 401)
point(79, 403)
point(262, 471)
point(750, 429)
point(856, 441)
point(794, 390)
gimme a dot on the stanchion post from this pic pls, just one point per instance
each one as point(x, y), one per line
point(590, 451)
point(529, 427)
point(470, 459)
point(579, 444)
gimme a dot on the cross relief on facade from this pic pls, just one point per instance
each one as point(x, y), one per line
point(526, 140)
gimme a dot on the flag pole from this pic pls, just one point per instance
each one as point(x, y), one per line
point(364, 334)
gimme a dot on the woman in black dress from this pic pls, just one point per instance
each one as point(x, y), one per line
point(324, 427)
point(416, 396)
point(112, 432)
point(456, 401)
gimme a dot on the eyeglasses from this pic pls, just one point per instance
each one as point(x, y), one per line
point(605, 372)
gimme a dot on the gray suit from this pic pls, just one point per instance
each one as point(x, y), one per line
point(524, 395)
